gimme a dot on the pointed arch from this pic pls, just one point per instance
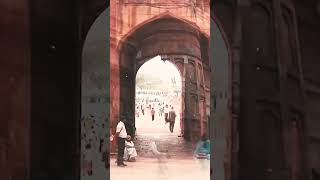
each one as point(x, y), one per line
point(164, 15)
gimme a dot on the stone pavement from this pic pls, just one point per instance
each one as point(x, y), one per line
point(151, 169)
point(158, 131)
point(179, 165)
point(171, 144)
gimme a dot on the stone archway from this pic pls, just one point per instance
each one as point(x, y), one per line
point(183, 45)
point(220, 91)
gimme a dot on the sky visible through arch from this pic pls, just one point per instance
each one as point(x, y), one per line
point(155, 74)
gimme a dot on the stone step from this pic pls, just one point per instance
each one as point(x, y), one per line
point(172, 145)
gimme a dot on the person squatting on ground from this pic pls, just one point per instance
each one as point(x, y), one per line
point(203, 148)
point(202, 152)
point(130, 152)
point(121, 135)
point(172, 119)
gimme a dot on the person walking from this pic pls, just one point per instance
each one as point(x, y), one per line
point(159, 109)
point(162, 109)
point(172, 119)
point(152, 114)
point(142, 109)
point(137, 112)
point(166, 113)
point(121, 135)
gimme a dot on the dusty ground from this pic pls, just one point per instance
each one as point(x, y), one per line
point(180, 165)
point(151, 169)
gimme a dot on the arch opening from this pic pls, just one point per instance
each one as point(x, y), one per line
point(154, 90)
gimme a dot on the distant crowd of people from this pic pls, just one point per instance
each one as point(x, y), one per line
point(163, 109)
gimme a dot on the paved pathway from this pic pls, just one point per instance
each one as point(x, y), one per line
point(158, 131)
point(172, 169)
point(179, 165)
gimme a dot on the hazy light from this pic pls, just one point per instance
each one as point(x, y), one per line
point(157, 81)
point(156, 67)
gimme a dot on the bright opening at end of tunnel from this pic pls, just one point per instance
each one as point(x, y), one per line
point(158, 91)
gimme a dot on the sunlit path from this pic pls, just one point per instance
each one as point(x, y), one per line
point(156, 89)
point(156, 127)
point(157, 130)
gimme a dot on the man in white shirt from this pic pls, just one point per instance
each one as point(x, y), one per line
point(121, 135)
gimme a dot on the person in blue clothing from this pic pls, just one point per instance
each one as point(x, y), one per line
point(203, 148)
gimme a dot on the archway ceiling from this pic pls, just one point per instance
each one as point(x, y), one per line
point(164, 24)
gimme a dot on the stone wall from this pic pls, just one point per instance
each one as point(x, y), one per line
point(127, 16)
point(309, 28)
point(130, 15)
point(15, 90)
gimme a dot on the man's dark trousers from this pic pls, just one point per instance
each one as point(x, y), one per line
point(166, 116)
point(121, 144)
point(171, 126)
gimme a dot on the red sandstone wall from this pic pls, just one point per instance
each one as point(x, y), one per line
point(127, 16)
point(14, 89)
point(114, 67)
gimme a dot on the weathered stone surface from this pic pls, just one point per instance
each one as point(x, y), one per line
point(54, 23)
point(150, 31)
point(15, 89)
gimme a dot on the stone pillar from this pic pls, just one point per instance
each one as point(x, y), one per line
point(114, 69)
point(272, 90)
point(179, 63)
point(291, 87)
point(261, 128)
point(127, 85)
point(236, 52)
point(194, 94)
point(15, 92)
point(201, 96)
point(186, 100)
